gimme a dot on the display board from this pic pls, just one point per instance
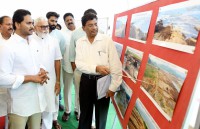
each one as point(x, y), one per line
point(161, 59)
point(2, 121)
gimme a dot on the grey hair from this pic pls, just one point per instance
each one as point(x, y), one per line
point(39, 19)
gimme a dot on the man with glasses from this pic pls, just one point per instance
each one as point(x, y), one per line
point(50, 57)
point(96, 56)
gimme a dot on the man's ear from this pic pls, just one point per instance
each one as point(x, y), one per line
point(83, 27)
point(17, 25)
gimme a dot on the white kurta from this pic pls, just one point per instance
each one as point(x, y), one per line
point(49, 52)
point(4, 97)
point(66, 63)
point(19, 58)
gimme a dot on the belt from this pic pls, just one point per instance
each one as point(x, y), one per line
point(93, 77)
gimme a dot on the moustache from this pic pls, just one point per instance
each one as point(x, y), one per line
point(10, 29)
point(70, 23)
point(31, 29)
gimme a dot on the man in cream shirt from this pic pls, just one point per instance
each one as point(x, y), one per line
point(21, 71)
point(96, 56)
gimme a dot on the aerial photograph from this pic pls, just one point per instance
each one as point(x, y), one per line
point(119, 48)
point(140, 26)
point(162, 82)
point(122, 98)
point(140, 118)
point(132, 62)
point(177, 26)
point(120, 28)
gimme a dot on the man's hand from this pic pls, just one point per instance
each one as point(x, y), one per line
point(57, 88)
point(103, 70)
point(43, 74)
point(73, 65)
point(110, 93)
point(41, 77)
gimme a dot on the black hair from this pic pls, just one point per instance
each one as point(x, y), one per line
point(18, 16)
point(67, 14)
point(59, 26)
point(90, 11)
point(87, 17)
point(49, 14)
point(2, 19)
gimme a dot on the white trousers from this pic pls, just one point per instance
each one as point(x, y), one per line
point(77, 79)
point(55, 114)
point(68, 82)
point(47, 119)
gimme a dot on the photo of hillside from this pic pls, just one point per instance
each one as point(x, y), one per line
point(120, 28)
point(177, 26)
point(122, 98)
point(162, 82)
point(119, 48)
point(140, 26)
point(132, 62)
point(140, 118)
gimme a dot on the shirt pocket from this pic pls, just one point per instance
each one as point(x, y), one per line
point(103, 57)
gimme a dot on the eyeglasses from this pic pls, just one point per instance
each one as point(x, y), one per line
point(44, 27)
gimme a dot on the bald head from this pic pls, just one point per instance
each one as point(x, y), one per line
point(6, 26)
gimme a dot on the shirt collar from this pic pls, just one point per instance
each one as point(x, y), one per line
point(20, 39)
point(98, 37)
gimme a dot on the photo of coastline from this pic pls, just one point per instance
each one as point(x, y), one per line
point(162, 83)
point(177, 26)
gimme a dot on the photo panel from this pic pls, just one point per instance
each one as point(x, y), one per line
point(119, 48)
point(162, 83)
point(177, 26)
point(140, 26)
point(140, 118)
point(132, 62)
point(122, 98)
point(120, 27)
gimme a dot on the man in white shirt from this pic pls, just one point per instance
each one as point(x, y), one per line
point(96, 56)
point(53, 21)
point(6, 30)
point(67, 70)
point(50, 57)
point(21, 71)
